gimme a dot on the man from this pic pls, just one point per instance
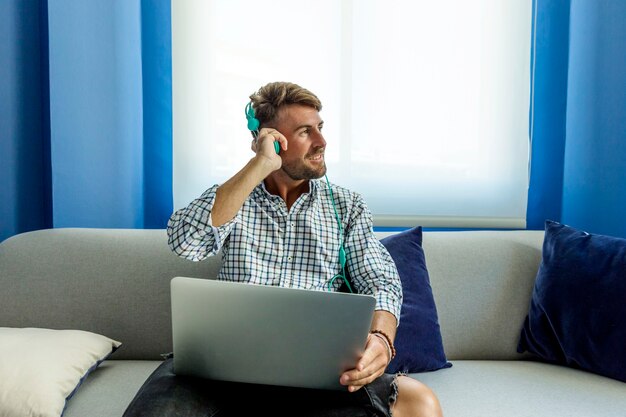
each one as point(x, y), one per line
point(279, 223)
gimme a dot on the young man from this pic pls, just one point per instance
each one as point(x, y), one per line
point(279, 223)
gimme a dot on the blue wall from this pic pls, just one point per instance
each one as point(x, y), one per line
point(594, 189)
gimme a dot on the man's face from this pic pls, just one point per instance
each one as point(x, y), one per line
point(302, 126)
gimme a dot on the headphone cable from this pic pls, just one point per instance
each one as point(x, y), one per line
point(342, 251)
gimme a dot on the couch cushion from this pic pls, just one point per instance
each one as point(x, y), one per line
point(578, 306)
point(482, 282)
point(524, 389)
point(110, 388)
point(418, 338)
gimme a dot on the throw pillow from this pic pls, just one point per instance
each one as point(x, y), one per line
point(578, 304)
point(40, 369)
point(419, 347)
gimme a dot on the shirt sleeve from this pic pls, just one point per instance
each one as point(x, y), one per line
point(370, 265)
point(190, 231)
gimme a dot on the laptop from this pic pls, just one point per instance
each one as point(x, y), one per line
point(261, 334)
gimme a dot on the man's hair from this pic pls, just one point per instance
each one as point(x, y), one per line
point(268, 100)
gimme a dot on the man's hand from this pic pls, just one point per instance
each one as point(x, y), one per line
point(263, 146)
point(371, 365)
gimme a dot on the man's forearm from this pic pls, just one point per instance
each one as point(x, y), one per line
point(385, 321)
point(231, 195)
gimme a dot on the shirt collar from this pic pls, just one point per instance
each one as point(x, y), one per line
point(314, 187)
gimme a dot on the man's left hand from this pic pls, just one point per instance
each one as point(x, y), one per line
point(371, 365)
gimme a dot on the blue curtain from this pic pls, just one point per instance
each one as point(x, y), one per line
point(85, 96)
point(578, 166)
point(594, 186)
point(24, 148)
point(549, 61)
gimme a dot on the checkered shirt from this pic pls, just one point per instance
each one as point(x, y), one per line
point(267, 244)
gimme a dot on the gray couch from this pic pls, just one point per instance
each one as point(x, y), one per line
point(115, 282)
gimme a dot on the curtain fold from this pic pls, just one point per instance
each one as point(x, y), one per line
point(24, 149)
point(157, 111)
point(86, 114)
point(548, 113)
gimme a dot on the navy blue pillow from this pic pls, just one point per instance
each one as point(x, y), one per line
point(578, 307)
point(419, 347)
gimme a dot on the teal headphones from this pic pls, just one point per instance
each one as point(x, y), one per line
point(253, 126)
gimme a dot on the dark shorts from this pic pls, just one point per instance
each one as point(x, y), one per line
point(165, 394)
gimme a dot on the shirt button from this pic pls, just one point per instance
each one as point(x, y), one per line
point(289, 258)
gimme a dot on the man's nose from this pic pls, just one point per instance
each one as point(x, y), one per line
point(318, 139)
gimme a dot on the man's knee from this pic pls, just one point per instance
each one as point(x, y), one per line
point(415, 399)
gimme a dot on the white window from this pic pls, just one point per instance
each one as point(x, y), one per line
point(425, 103)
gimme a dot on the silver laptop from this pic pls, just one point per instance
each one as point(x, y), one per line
point(267, 335)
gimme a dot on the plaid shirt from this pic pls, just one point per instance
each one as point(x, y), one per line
point(267, 244)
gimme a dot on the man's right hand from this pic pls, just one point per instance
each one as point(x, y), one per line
point(263, 146)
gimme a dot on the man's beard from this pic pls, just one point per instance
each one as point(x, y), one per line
point(298, 171)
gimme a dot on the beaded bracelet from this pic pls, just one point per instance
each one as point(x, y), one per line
point(387, 339)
